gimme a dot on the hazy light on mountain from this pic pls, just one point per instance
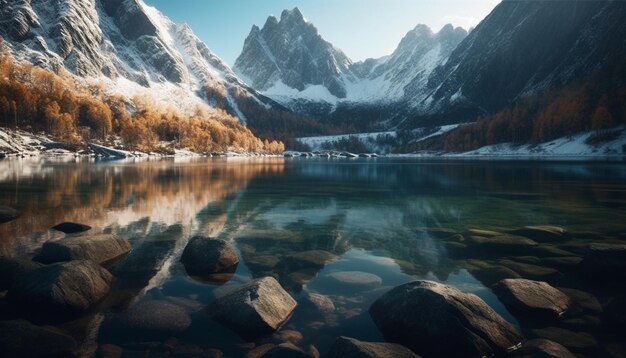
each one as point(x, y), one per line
point(361, 28)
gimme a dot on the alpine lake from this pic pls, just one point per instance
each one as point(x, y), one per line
point(347, 229)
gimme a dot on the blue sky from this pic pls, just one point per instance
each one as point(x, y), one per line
point(361, 28)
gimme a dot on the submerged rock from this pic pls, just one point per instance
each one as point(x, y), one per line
point(493, 274)
point(156, 315)
point(437, 320)
point(542, 348)
point(532, 297)
point(205, 256)
point(254, 309)
point(12, 269)
point(355, 279)
point(530, 271)
point(606, 259)
point(315, 303)
point(98, 248)
point(24, 339)
point(8, 214)
point(541, 233)
point(570, 339)
point(71, 287)
point(345, 347)
point(502, 244)
point(71, 228)
point(286, 350)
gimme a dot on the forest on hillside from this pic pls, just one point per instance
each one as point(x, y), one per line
point(596, 103)
point(77, 113)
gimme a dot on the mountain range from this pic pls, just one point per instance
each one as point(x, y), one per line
point(287, 69)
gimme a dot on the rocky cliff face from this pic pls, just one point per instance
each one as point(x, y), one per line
point(524, 47)
point(290, 62)
point(118, 40)
point(290, 52)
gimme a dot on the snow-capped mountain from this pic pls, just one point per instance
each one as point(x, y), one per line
point(291, 53)
point(126, 43)
point(290, 62)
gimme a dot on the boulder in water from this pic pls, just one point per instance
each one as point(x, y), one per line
point(437, 320)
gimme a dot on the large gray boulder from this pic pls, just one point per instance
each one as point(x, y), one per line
point(63, 288)
point(254, 309)
point(437, 320)
point(534, 298)
point(204, 256)
point(345, 347)
point(8, 214)
point(542, 348)
point(98, 248)
point(24, 339)
point(11, 269)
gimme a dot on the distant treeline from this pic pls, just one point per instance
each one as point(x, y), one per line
point(597, 103)
point(31, 97)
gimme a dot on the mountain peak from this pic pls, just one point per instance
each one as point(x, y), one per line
point(291, 52)
point(295, 13)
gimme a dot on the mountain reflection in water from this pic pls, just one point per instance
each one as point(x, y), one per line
point(301, 221)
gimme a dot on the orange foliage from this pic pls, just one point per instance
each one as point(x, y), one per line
point(38, 99)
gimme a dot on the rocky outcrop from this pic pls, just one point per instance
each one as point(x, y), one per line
point(98, 248)
point(63, 288)
point(254, 309)
point(433, 319)
point(8, 214)
point(11, 270)
point(204, 256)
point(71, 228)
point(24, 339)
point(532, 298)
point(291, 51)
point(345, 347)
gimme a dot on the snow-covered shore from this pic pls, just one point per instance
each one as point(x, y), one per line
point(19, 144)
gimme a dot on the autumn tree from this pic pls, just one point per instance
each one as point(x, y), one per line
point(602, 119)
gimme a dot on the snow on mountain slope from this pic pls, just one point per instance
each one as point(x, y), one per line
point(290, 62)
point(129, 46)
point(291, 51)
